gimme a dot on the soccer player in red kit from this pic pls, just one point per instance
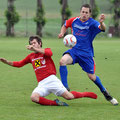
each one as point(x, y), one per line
point(45, 71)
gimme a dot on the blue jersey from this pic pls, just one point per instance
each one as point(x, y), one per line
point(85, 33)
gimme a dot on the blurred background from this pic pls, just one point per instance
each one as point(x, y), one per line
point(27, 10)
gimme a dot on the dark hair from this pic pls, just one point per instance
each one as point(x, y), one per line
point(86, 6)
point(38, 39)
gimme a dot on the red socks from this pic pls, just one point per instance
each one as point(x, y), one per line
point(84, 94)
point(44, 101)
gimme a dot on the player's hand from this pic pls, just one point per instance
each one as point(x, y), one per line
point(6, 61)
point(60, 35)
point(3, 60)
point(30, 47)
point(101, 18)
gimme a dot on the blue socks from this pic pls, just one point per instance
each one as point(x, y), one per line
point(99, 84)
point(63, 74)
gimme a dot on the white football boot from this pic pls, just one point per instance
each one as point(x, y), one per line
point(110, 98)
point(114, 101)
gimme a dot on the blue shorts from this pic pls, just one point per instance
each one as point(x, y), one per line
point(86, 62)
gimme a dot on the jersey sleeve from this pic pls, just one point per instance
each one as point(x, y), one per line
point(96, 27)
point(48, 52)
point(68, 23)
point(22, 62)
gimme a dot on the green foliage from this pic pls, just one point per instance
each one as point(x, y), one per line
point(116, 16)
point(115, 1)
point(67, 12)
point(60, 1)
point(40, 16)
point(116, 23)
point(116, 9)
point(12, 16)
point(27, 12)
point(95, 11)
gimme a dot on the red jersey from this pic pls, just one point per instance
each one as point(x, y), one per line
point(43, 64)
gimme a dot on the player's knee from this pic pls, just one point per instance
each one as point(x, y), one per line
point(69, 98)
point(62, 61)
point(67, 95)
point(92, 77)
point(34, 98)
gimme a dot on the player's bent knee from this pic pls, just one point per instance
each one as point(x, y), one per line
point(32, 98)
point(92, 77)
point(62, 62)
point(67, 95)
point(35, 98)
point(69, 98)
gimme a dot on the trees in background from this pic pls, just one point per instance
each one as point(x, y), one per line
point(95, 9)
point(116, 17)
point(39, 19)
point(12, 17)
point(65, 11)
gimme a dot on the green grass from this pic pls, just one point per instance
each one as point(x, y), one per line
point(16, 84)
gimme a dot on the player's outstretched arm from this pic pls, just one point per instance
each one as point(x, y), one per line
point(101, 20)
point(62, 32)
point(6, 61)
point(32, 48)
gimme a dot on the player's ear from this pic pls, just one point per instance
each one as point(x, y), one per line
point(40, 44)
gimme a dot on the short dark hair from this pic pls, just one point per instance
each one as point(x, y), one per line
point(86, 6)
point(38, 39)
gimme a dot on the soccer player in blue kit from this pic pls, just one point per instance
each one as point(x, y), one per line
point(84, 28)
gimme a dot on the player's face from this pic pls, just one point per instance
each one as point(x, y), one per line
point(84, 14)
point(35, 43)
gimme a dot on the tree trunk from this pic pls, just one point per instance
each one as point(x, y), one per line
point(117, 18)
point(39, 26)
point(64, 17)
point(10, 26)
point(39, 29)
point(64, 6)
point(117, 29)
point(92, 4)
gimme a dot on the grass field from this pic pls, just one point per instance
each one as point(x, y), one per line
point(16, 84)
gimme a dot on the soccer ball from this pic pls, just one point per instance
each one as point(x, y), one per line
point(69, 40)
